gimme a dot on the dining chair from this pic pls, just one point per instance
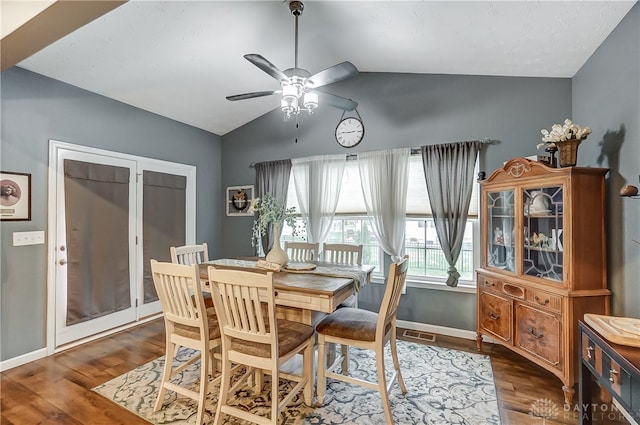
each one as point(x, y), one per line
point(365, 329)
point(302, 251)
point(344, 254)
point(339, 253)
point(188, 323)
point(190, 254)
point(252, 336)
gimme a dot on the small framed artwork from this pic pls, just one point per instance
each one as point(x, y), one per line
point(15, 196)
point(239, 199)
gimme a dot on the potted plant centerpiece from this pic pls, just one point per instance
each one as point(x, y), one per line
point(270, 211)
point(565, 138)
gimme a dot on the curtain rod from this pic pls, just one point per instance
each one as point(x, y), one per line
point(414, 151)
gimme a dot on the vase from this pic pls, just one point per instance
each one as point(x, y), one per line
point(568, 152)
point(277, 254)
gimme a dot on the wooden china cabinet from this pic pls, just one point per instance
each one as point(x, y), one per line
point(543, 261)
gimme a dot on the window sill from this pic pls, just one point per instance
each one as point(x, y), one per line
point(468, 287)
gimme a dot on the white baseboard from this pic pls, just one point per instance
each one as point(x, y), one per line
point(441, 330)
point(42, 352)
point(23, 359)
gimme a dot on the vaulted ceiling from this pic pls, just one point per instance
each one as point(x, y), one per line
point(181, 59)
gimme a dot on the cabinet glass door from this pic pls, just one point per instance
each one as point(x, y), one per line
point(500, 229)
point(543, 232)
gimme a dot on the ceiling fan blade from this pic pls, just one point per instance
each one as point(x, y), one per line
point(338, 72)
point(266, 66)
point(336, 101)
point(252, 95)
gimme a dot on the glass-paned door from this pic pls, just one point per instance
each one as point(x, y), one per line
point(95, 236)
point(543, 251)
point(112, 213)
point(501, 229)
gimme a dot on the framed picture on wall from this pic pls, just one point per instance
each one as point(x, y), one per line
point(239, 200)
point(15, 196)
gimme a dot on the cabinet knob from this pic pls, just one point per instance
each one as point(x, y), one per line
point(493, 316)
point(589, 351)
point(539, 301)
point(533, 333)
point(612, 374)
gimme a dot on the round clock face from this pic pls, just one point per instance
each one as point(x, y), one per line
point(349, 132)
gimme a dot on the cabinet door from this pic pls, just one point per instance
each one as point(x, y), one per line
point(543, 251)
point(495, 315)
point(500, 230)
point(539, 333)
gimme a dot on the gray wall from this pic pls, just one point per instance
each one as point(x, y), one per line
point(404, 110)
point(606, 96)
point(36, 109)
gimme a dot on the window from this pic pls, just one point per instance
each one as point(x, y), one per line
point(350, 225)
point(426, 258)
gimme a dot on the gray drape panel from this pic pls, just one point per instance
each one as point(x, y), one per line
point(97, 230)
point(272, 177)
point(163, 217)
point(449, 173)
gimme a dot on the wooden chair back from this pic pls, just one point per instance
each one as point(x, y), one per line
point(391, 299)
point(302, 251)
point(178, 288)
point(342, 254)
point(238, 297)
point(190, 254)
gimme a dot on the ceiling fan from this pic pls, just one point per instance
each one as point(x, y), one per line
point(298, 87)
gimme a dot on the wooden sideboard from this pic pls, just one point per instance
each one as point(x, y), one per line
point(615, 367)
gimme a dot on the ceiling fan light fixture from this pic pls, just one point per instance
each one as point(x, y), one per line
point(290, 92)
point(289, 107)
point(310, 101)
point(297, 83)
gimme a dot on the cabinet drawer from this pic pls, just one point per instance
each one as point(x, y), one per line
point(539, 333)
point(544, 300)
point(618, 378)
point(495, 315)
point(490, 284)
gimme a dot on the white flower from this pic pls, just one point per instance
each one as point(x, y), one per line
point(561, 132)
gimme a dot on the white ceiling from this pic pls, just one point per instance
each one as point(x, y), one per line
point(180, 59)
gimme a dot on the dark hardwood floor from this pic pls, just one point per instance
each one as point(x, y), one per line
point(57, 389)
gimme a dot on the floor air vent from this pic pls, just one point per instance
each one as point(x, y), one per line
point(423, 336)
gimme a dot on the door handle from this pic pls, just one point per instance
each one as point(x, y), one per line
point(63, 262)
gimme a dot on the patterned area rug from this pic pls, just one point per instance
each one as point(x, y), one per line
point(443, 387)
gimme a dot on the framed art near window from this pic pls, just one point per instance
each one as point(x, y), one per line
point(15, 196)
point(239, 199)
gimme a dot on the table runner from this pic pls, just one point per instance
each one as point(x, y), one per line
point(359, 277)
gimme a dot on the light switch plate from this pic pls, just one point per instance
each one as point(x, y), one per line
point(28, 238)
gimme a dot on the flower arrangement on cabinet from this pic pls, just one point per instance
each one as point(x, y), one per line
point(562, 132)
point(270, 210)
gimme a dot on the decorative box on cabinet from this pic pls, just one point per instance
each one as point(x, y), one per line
point(543, 261)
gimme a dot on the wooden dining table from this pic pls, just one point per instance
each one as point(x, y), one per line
point(303, 296)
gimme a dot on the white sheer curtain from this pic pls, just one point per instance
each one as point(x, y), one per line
point(318, 180)
point(384, 176)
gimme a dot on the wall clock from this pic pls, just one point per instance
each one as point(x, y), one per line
point(349, 131)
